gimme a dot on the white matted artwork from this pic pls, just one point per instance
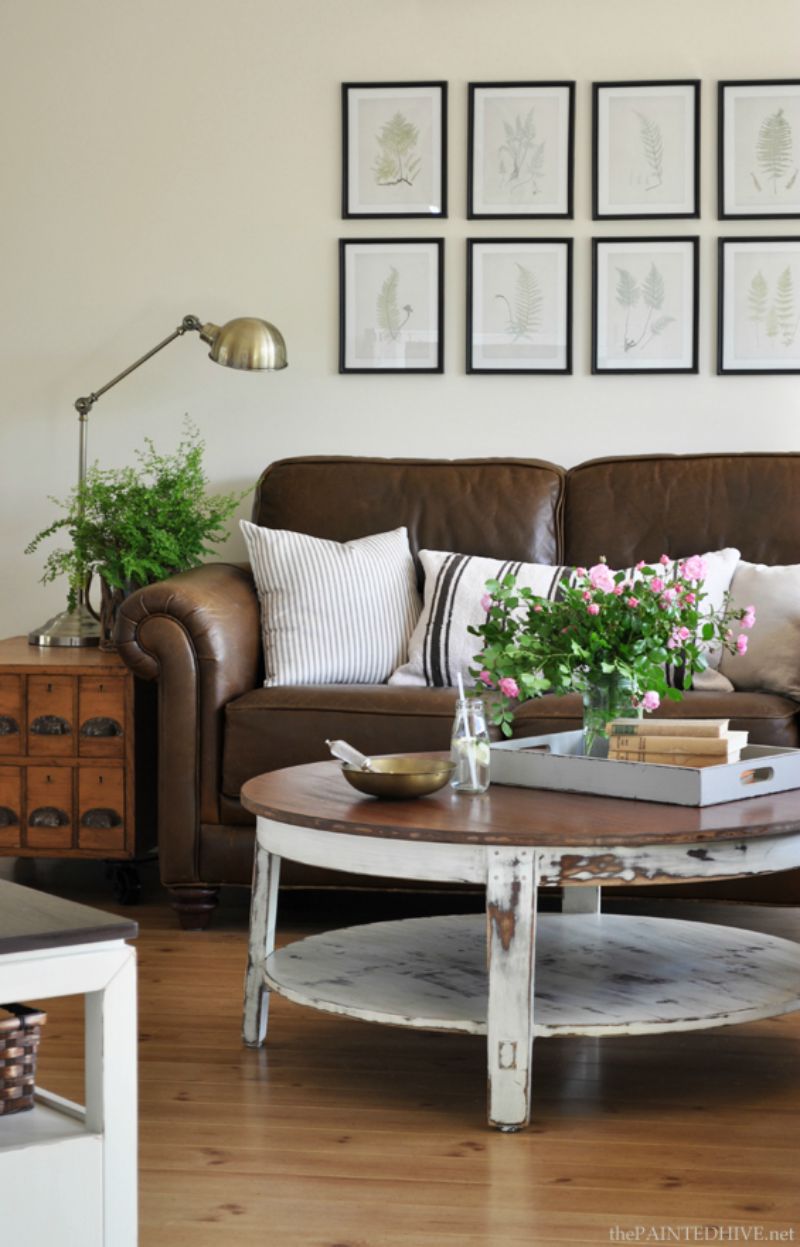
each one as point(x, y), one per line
point(646, 150)
point(644, 304)
point(759, 305)
point(394, 149)
point(391, 305)
point(519, 305)
point(759, 149)
point(520, 149)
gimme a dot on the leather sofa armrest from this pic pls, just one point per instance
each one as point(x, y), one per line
point(198, 634)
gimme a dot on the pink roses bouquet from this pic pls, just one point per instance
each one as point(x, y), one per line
point(605, 629)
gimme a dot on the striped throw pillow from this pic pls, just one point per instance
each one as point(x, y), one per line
point(332, 612)
point(441, 647)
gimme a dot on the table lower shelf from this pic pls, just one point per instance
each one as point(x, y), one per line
point(604, 974)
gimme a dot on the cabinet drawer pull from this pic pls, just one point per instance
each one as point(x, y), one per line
point(8, 818)
point(49, 816)
point(8, 725)
point(101, 725)
point(50, 725)
point(101, 818)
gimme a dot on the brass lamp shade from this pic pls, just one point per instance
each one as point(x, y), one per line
point(245, 343)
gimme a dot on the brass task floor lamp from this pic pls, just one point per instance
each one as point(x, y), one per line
point(245, 343)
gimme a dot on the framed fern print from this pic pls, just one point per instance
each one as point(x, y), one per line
point(759, 149)
point(759, 305)
point(521, 139)
point(394, 149)
point(644, 304)
point(519, 305)
point(391, 305)
point(645, 150)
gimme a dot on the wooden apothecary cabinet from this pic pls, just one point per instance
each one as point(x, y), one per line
point(77, 754)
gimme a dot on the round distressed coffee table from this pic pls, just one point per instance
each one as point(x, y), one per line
point(595, 973)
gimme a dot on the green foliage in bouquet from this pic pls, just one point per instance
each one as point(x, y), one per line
point(603, 624)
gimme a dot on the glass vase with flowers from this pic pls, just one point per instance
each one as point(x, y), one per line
point(609, 636)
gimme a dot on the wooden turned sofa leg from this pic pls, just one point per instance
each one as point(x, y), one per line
point(194, 906)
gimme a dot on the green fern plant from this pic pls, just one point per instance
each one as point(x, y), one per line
point(774, 147)
point(388, 309)
point(131, 526)
point(521, 158)
point(653, 148)
point(526, 316)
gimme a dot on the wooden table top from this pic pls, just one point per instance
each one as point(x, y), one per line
point(317, 795)
point(32, 920)
point(18, 655)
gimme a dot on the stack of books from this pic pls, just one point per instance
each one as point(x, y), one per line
point(675, 742)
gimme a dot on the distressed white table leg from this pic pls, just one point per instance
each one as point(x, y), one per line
point(111, 1099)
point(511, 926)
point(575, 900)
point(263, 912)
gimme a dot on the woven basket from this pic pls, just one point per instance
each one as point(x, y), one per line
point(20, 1031)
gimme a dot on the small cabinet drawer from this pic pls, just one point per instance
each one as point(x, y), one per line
point(101, 808)
point(10, 807)
point(48, 822)
point(101, 717)
point(51, 716)
point(11, 715)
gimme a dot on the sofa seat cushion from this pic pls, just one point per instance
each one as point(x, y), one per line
point(274, 727)
point(769, 718)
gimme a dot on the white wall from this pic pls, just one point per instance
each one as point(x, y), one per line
point(172, 156)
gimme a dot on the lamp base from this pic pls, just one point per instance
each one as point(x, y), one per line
point(70, 627)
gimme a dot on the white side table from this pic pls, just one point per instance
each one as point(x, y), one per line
point(68, 1172)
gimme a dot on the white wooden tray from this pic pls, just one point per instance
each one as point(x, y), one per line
point(556, 761)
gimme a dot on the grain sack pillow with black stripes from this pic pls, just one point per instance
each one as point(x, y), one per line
point(332, 612)
point(455, 584)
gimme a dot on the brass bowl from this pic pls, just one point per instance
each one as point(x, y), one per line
point(400, 778)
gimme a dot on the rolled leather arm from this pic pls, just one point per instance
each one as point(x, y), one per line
point(198, 634)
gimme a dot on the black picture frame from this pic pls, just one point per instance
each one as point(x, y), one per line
point(640, 366)
point(600, 212)
point(434, 205)
point(348, 311)
point(726, 341)
point(475, 207)
point(498, 245)
point(727, 168)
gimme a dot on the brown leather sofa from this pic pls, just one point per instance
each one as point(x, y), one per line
point(198, 633)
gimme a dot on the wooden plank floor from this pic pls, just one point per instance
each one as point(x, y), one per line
point(342, 1134)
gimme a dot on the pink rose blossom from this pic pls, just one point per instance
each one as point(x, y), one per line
point(664, 560)
point(640, 565)
point(600, 578)
point(741, 644)
point(668, 596)
point(509, 687)
point(651, 700)
point(586, 595)
point(657, 584)
point(683, 634)
point(672, 643)
point(581, 571)
point(485, 678)
point(593, 608)
point(632, 602)
point(695, 568)
point(486, 602)
point(689, 599)
point(537, 610)
point(749, 617)
point(619, 590)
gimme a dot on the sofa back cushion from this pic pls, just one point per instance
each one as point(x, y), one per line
point(499, 508)
point(639, 507)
